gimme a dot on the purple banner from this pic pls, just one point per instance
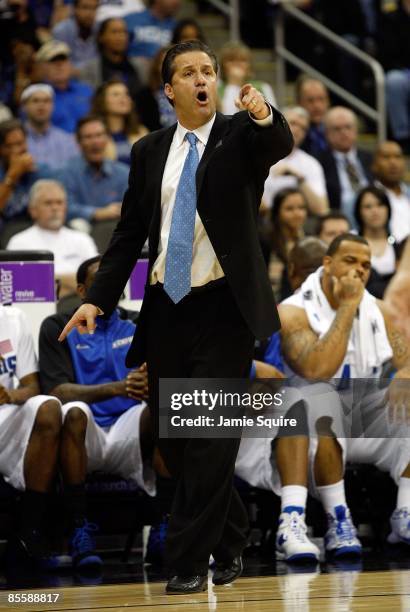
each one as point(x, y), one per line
point(26, 281)
point(138, 280)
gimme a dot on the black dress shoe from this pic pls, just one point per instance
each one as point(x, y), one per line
point(224, 573)
point(186, 584)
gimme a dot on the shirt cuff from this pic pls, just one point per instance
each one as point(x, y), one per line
point(263, 122)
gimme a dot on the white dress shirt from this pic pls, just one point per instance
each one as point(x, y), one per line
point(205, 265)
point(400, 212)
point(302, 163)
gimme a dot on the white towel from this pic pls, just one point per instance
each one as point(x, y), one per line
point(368, 348)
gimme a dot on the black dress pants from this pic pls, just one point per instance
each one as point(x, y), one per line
point(204, 336)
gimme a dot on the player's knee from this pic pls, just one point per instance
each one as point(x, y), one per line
point(323, 426)
point(75, 421)
point(48, 418)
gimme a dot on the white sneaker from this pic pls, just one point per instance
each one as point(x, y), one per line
point(340, 538)
point(292, 543)
point(400, 526)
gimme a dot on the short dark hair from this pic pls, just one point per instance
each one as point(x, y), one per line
point(88, 119)
point(380, 195)
point(83, 269)
point(168, 67)
point(9, 126)
point(336, 242)
point(333, 214)
point(301, 82)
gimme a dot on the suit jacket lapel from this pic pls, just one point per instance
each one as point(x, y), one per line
point(160, 153)
point(218, 130)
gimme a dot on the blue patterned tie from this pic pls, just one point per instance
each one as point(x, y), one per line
point(177, 281)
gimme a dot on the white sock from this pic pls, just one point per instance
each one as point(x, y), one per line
point(332, 495)
point(294, 496)
point(403, 496)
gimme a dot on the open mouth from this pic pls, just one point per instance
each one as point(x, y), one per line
point(202, 96)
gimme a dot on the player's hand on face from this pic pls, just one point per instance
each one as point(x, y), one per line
point(83, 319)
point(252, 100)
point(5, 397)
point(348, 289)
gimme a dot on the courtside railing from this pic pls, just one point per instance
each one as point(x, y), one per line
point(231, 10)
point(287, 9)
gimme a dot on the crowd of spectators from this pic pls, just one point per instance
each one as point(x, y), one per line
point(80, 84)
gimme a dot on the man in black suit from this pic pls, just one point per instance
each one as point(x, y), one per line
point(347, 168)
point(206, 329)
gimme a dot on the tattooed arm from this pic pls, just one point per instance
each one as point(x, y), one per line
point(398, 393)
point(398, 341)
point(305, 353)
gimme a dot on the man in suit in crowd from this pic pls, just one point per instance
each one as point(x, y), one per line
point(194, 190)
point(313, 96)
point(347, 168)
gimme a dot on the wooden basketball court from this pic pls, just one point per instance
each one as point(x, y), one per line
point(298, 592)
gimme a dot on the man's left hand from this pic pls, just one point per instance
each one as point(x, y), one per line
point(137, 383)
point(252, 100)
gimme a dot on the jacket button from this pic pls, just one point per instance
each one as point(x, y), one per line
point(224, 256)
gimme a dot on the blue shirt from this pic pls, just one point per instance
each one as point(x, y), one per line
point(71, 104)
point(148, 34)
point(167, 116)
point(123, 147)
point(16, 205)
point(82, 49)
point(100, 358)
point(273, 353)
point(89, 188)
point(54, 147)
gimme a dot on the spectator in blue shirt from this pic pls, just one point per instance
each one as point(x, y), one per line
point(78, 31)
point(72, 97)
point(18, 173)
point(95, 185)
point(47, 144)
point(153, 28)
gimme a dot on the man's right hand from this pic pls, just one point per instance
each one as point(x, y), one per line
point(348, 290)
point(19, 165)
point(109, 212)
point(83, 319)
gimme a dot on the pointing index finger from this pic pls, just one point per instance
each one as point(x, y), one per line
point(245, 90)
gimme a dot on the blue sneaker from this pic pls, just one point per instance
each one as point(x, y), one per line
point(156, 543)
point(340, 538)
point(82, 547)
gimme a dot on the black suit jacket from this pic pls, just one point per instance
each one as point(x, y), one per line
point(333, 188)
point(230, 180)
